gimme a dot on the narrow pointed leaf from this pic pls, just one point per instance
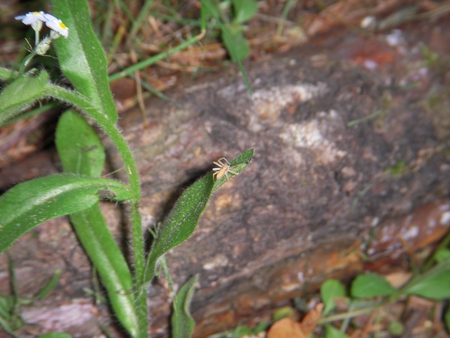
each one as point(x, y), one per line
point(82, 152)
point(20, 94)
point(81, 56)
point(43, 293)
point(30, 203)
point(433, 284)
point(184, 217)
point(104, 253)
point(181, 222)
point(182, 322)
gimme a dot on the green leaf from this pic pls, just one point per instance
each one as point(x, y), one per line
point(433, 286)
point(79, 146)
point(181, 222)
point(94, 235)
point(182, 322)
point(183, 219)
point(21, 94)
point(237, 165)
point(214, 13)
point(30, 203)
point(286, 311)
point(50, 285)
point(82, 152)
point(81, 56)
point(371, 285)
point(447, 319)
point(7, 74)
point(6, 326)
point(235, 43)
point(396, 328)
point(6, 306)
point(332, 332)
point(329, 290)
point(244, 10)
point(442, 255)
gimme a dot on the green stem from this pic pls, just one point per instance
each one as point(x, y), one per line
point(139, 266)
point(352, 314)
point(26, 62)
point(133, 177)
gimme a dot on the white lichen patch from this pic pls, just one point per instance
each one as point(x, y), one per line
point(410, 233)
point(311, 135)
point(268, 103)
point(445, 218)
point(215, 262)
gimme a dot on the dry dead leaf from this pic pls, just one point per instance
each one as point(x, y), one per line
point(286, 328)
point(289, 328)
point(311, 319)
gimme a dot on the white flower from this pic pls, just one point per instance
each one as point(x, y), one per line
point(56, 25)
point(35, 19)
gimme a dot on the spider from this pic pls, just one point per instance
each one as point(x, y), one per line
point(223, 169)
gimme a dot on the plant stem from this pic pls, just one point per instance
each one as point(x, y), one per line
point(26, 62)
point(352, 314)
point(133, 176)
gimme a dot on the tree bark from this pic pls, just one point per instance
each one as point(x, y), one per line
point(342, 153)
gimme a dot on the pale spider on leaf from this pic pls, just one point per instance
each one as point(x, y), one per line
point(223, 169)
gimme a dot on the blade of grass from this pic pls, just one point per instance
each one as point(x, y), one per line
point(156, 58)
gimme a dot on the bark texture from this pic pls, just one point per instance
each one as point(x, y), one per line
point(316, 189)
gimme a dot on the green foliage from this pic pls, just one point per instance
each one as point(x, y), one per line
point(329, 290)
point(235, 43)
point(81, 56)
point(332, 332)
point(244, 10)
point(232, 34)
point(447, 319)
point(396, 328)
point(30, 203)
point(371, 285)
point(283, 312)
point(79, 190)
point(434, 284)
point(20, 94)
point(182, 322)
point(10, 319)
point(79, 147)
point(231, 23)
point(82, 152)
point(182, 220)
point(442, 255)
point(398, 169)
